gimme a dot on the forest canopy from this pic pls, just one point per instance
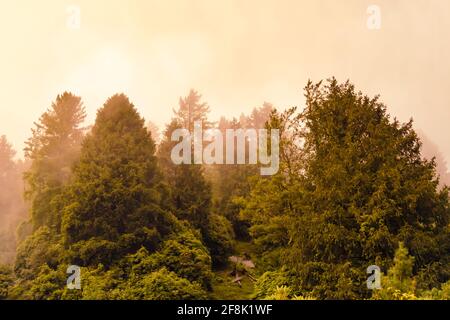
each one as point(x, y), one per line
point(354, 189)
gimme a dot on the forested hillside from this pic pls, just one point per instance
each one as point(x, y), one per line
point(355, 188)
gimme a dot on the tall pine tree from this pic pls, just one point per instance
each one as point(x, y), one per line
point(114, 204)
point(191, 194)
point(361, 187)
point(52, 149)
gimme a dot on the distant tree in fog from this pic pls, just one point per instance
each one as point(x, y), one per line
point(12, 207)
point(430, 150)
point(53, 147)
point(154, 130)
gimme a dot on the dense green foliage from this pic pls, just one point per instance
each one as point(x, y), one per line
point(112, 203)
point(231, 182)
point(398, 284)
point(52, 149)
point(353, 184)
point(112, 212)
point(353, 190)
point(190, 192)
point(6, 280)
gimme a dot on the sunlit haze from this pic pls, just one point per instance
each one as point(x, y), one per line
point(237, 54)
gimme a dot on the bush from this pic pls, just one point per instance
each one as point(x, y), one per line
point(438, 294)
point(6, 281)
point(219, 238)
point(187, 257)
point(267, 284)
point(182, 253)
point(98, 284)
point(164, 285)
point(48, 285)
point(37, 250)
point(399, 283)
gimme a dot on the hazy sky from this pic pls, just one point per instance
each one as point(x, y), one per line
point(238, 54)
